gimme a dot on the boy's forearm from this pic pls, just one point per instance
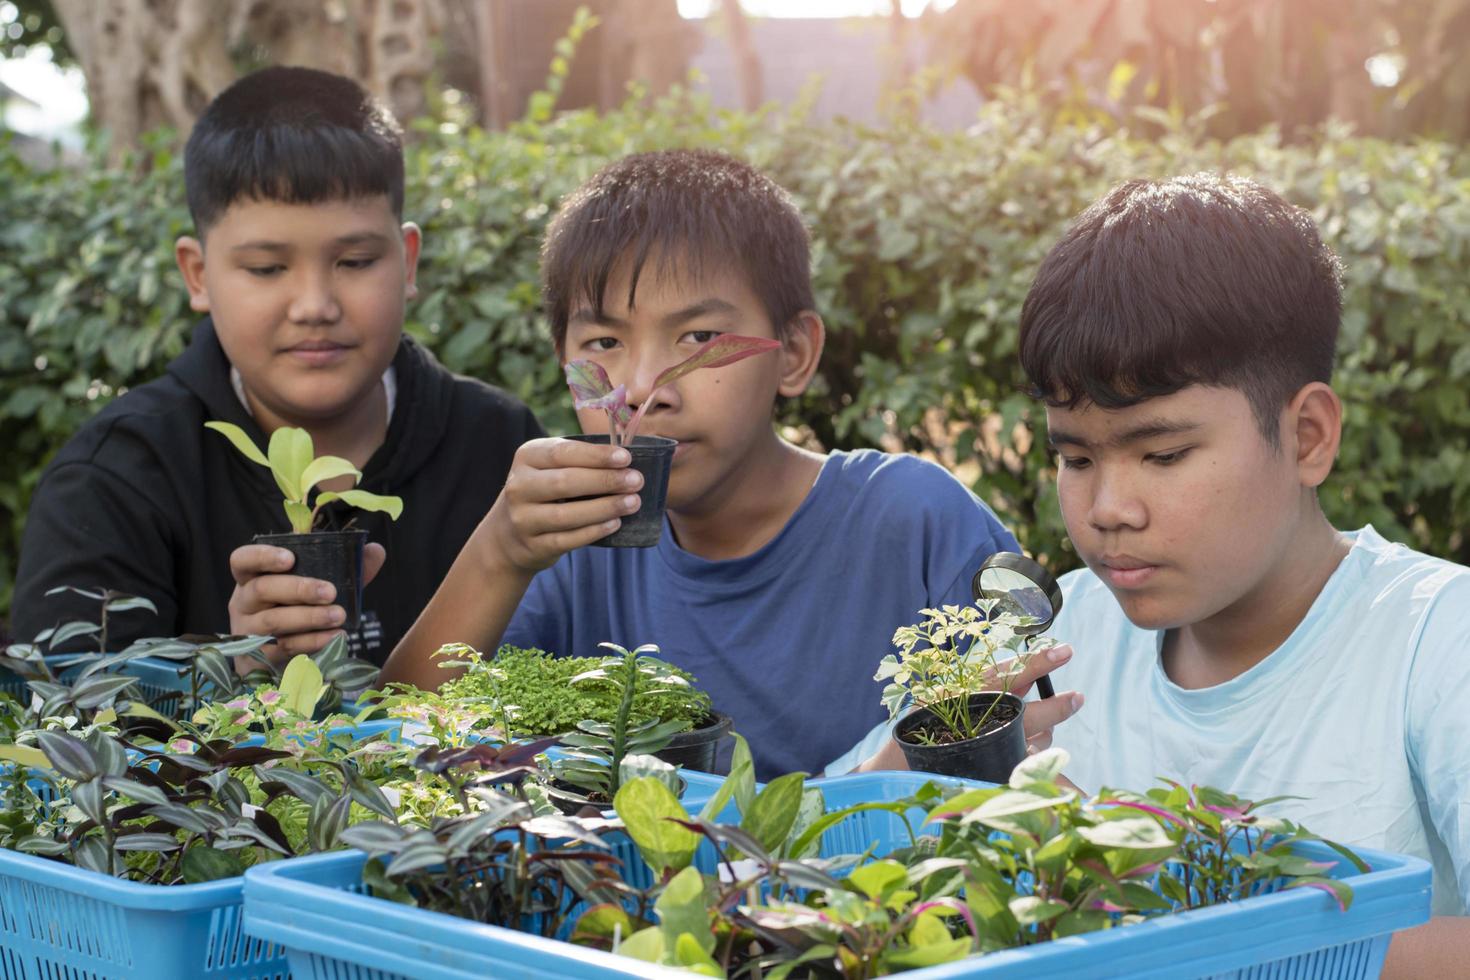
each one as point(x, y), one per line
point(474, 605)
point(1439, 948)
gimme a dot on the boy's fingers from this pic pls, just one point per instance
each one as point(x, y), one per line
point(557, 454)
point(1038, 665)
point(302, 643)
point(250, 560)
point(285, 623)
point(1044, 714)
point(571, 483)
point(573, 516)
point(260, 594)
point(564, 541)
point(373, 557)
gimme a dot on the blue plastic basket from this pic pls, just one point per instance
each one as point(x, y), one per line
point(315, 908)
point(57, 921)
point(160, 683)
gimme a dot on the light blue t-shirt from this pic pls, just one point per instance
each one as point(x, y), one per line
point(1364, 711)
point(785, 640)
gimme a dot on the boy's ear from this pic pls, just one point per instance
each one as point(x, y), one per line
point(801, 352)
point(1316, 413)
point(189, 254)
point(413, 239)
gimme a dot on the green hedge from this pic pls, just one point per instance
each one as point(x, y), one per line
point(925, 243)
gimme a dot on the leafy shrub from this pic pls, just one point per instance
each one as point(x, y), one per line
point(924, 245)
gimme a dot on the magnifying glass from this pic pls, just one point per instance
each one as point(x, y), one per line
point(1020, 586)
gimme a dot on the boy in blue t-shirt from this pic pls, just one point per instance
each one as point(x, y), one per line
point(782, 573)
point(1182, 335)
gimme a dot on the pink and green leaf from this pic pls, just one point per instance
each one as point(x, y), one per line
point(719, 351)
point(593, 389)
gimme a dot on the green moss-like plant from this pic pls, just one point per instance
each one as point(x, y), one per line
point(537, 689)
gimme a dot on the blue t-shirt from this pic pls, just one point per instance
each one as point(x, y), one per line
point(785, 640)
point(1363, 712)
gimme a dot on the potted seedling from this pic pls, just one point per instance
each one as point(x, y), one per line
point(535, 694)
point(652, 455)
point(942, 687)
point(333, 556)
point(600, 756)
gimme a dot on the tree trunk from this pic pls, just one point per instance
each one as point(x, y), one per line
point(747, 62)
point(497, 67)
point(152, 63)
point(148, 63)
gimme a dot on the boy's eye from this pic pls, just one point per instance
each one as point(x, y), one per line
point(1167, 459)
point(361, 262)
point(1075, 462)
point(701, 336)
point(264, 271)
point(600, 344)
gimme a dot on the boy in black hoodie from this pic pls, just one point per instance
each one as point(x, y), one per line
point(302, 264)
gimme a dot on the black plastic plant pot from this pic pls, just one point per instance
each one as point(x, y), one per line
point(696, 749)
point(652, 456)
point(332, 556)
point(990, 756)
point(569, 799)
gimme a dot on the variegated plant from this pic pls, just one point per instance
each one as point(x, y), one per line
point(592, 388)
point(292, 461)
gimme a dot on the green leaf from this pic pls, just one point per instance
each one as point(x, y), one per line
point(203, 864)
point(874, 879)
point(1140, 833)
point(69, 755)
point(1030, 910)
point(773, 812)
point(739, 784)
point(645, 806)
point(290, 453)
point(298, 515)
point(683, 911)
point(362, 500)
point(645, 944)
point(25, 755)
point(690, 954)
point(1043, 767)
point(240, 440)
point(301, 686)
point(325, 468)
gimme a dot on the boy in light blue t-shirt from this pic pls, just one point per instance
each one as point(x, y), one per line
point(1182, 335)
point(782, 573)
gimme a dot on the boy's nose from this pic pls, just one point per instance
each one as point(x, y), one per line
point(641, 385)
point(315, 301)
point(1115, 505)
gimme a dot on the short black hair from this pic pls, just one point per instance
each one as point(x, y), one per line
point(294, 135)
point(697, 208)
point(1206, 279)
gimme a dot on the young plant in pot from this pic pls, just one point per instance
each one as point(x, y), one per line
point(534, 694)
point(599, 757)
point(948, 686)
point(652, 455)
point(333, 556)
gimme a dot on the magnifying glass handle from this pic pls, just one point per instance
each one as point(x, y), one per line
point(1044, 688)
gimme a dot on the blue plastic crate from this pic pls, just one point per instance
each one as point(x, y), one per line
point(160, 683)
point(315, 908)
point(57, 921)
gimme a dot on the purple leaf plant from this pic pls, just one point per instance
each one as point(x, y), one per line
point(592, 388)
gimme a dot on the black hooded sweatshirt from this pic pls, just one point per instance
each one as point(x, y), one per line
point(146, 501)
